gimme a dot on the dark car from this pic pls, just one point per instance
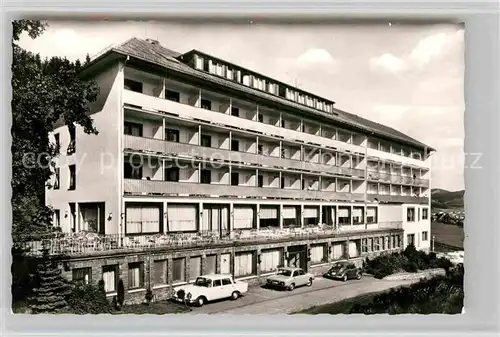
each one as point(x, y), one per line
point(344, 271)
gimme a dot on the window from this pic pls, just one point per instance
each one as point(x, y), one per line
point(57, 180)
point(243, 264)
point(110, 278)
point(410, 214)
point(235, 145)
point(206, 64)
point(160, 272)
point(411, 239)
point(226, 282)
point(217, 283)
point(198, 62)
point(282, 183)
point(425, 213)
point(172, 174)
point(172, 135)
point(142, 218)
point(235, 111)
point(260, 180)
point(194, 267)
point(132, 129)
point(260, 118)
point(178, 270)
point(425, 236)
point(135, 275)
point(371, 214)
point(57, 218)
point(132, 171)
point(173, 96)
point(57, 140)
point(72, 177)
point(282, 123)
point(344, 216)
point(206, 104)
point(235, 178)
point(260, 149)
point(133, 85)
point(206, 140)
point(300, 272)
point(72, 141)
point(211, 264)
point(206, 177)
point(82, 275)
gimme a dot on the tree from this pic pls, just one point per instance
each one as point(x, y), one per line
point(45, 92)
point(87, 58)
point(50, 296)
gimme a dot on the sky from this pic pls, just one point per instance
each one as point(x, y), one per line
point(409, 77)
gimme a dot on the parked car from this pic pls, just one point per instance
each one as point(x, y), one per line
point(208, 288)
point(289, 278)
point(344, 271)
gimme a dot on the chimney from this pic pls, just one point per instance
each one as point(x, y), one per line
point(153, 41)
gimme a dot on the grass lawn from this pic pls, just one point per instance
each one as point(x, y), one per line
point(155, 308)
point(448, 234)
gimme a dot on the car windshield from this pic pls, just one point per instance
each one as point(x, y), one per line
point(338, 266)
point(285, 272)
point(202, 282)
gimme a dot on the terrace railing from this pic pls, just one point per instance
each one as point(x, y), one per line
point(86, 243)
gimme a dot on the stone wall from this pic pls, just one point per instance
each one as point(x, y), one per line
point(122, 259)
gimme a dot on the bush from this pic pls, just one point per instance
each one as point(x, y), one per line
point(89, 299)
point(120, 294)
point(410, 260)
point(443, 294)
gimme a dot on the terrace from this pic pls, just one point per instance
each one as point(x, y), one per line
point(88, 243)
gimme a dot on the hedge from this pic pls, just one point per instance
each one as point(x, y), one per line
point(410, 260)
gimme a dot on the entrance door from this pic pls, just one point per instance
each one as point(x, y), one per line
point(225, 264)
point(294, 259)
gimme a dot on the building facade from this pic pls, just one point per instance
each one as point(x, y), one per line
point(204, 166)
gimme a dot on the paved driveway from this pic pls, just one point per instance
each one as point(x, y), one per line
point(323, 291)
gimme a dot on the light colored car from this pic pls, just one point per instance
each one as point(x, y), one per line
point(289, 278)
point(208, 288)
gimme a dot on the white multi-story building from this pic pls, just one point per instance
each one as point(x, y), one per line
point(201, 165)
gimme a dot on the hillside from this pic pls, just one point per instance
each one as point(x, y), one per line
point(444, 199)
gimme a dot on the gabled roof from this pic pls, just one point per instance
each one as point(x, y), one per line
point(158, 55)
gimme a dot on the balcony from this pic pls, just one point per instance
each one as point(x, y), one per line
point(165, 188)
point(158, 105)
point(397, 179)
point(87, 243)
point(396, 158)
point(405, 199)
point(158, 146)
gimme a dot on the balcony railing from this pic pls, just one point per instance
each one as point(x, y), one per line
point(149, 145)
point(194, 113)
point(397, 179)
point(88, 243)
point(159, 187)
point(406, 199)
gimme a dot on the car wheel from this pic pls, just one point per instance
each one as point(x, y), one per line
point(309, 283)
point(359, 276)
point(344, 278)
point(200, 301)
point(291, 287)
point(235, 295)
